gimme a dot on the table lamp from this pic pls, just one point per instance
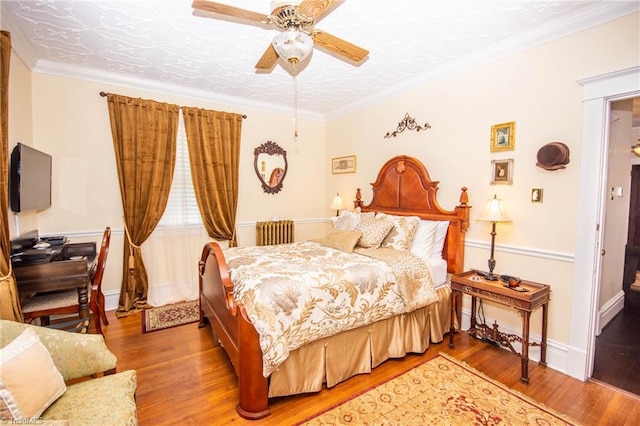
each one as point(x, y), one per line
point(494, 212)
point(337, 204)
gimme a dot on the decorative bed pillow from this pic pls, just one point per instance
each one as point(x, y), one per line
point(402, 233)
point(29, 380)
point(373, 232)
point(423, 240)
point(341, 240)
point(349, 219)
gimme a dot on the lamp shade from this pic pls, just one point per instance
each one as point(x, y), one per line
point(336, 204)
point(293, 45)
point(494, 212)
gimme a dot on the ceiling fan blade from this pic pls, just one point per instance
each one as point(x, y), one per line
point(339, 46)
point(318, 9)
point(268, 59)
point(223, 9)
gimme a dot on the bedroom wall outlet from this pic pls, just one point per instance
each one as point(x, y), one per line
point(536, 195)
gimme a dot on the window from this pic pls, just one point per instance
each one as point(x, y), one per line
point(182, 207)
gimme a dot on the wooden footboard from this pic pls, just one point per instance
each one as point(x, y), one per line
point(235, 332)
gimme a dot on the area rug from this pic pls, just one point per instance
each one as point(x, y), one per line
point(442, 391)
point(154, 319)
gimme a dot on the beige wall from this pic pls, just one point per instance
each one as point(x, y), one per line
point(538, 90)
point(20, 128)
point(71, 122)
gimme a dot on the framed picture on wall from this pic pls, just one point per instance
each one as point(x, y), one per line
point(503, 137)
point(343, 164)
point(502, 172)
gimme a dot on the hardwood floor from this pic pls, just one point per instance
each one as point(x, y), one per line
point(185, 377)
point(617, 357)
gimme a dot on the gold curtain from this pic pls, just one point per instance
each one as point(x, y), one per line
point(214, 155)
point(144, 139)
point(9, 299)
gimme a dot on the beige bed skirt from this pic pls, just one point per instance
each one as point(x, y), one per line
point(334, 359)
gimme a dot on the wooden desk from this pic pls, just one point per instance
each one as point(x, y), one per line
point(64, 274)
point(524, 302)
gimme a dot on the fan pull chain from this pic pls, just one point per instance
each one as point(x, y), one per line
point(295, 101)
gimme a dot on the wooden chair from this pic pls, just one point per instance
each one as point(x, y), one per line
point(66, 302)
point(96, 300)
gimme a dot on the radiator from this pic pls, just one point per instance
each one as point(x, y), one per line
point(274, 232)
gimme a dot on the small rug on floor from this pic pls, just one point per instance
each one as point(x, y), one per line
point(442, 391)
point(154, 319)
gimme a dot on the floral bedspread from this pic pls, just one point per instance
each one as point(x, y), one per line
point(301, 292)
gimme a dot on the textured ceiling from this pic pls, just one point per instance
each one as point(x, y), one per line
point(162, 43)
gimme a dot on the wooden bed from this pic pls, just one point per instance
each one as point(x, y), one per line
point(403, 187)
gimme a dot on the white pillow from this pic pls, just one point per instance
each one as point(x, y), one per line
point(424, 238)
point(441, 234)
point(29, 379)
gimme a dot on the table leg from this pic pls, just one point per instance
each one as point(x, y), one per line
point(525, 346)
point(452, 326)
point(83, 301)
point(473, 323)
point(543, 342)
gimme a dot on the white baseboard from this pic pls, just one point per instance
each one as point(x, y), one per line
point(111, 300)
point(610, 309)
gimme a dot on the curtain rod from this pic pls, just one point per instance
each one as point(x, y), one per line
point(104, 94)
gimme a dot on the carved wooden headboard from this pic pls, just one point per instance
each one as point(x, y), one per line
point(403, 187)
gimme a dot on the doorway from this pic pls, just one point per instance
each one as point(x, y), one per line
point(598, 93)
point(617, 348)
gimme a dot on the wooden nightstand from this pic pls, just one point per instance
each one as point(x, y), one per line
point(534, 296)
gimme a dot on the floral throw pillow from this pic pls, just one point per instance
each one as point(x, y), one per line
point(373, 232)
point(349, 219)
point(341, 240)
point(402, 233)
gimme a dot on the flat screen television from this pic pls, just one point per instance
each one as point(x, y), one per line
point(29, 179)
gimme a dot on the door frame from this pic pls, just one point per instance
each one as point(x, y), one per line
point(598, 94)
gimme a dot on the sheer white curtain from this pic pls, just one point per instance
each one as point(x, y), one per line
point(172, 252)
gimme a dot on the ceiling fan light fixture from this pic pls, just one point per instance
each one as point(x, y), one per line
point(293, 45)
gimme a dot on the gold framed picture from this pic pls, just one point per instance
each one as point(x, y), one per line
point(343, 164)
point(503, 137)
point(502, 172)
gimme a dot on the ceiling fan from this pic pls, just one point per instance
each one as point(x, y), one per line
point(296, 23)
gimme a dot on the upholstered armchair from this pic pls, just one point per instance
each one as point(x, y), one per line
point(62, 378)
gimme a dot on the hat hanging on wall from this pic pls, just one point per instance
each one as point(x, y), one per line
point(553, 156)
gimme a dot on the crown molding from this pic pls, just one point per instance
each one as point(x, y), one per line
point(596, 15)
point(24, 50)
point(19, 44)
point(100, 76)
